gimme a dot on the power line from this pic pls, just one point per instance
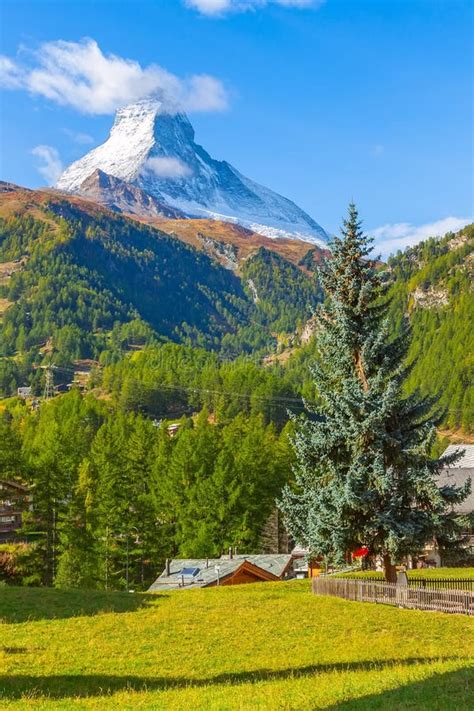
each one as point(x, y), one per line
point(298, 401)
point(245, 396)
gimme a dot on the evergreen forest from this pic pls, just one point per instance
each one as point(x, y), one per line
point(170, 336)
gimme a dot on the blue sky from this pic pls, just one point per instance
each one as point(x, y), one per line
point(321, 101)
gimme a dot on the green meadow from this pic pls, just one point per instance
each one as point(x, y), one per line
point(264, 646)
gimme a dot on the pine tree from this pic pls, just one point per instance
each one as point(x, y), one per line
point(364, 475)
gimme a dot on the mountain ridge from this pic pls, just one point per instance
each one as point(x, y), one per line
point(18, 200)
point(78, 275)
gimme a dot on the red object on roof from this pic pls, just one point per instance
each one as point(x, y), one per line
point(360, 552)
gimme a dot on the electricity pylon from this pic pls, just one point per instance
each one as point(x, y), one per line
point(48, 383)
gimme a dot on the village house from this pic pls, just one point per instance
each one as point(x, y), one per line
point(14, 500)
point(24, 392)
point(229, 569)
point(456, 474)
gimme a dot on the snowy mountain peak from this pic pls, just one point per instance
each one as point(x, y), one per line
point(123, 153)
point(156, 152)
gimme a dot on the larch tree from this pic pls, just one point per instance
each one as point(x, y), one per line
point(81, 564)
point(364, 475)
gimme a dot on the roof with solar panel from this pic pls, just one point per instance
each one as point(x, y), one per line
point(207, 572)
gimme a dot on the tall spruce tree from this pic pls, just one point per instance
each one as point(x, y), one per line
point(364, 475)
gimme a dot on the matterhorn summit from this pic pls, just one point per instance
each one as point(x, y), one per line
point(154, 151)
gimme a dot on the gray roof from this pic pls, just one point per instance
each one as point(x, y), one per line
point(467, 459)
point(207, 574)
point(458, 477)
point(459, 473)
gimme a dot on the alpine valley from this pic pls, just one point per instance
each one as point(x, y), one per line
point(167, 313)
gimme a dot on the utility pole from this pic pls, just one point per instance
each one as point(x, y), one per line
point(53, 537)
point(137, 540)
point(106, 557)
point(126, 569)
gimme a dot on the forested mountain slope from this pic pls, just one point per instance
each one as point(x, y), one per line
point(78, 280)
point(231, 244)
point(88, 271)
point(433, 282)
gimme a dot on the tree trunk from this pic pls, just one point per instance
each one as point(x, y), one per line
point(360, 370)
point(389, 569)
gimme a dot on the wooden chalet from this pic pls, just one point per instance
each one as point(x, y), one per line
point(226, 570)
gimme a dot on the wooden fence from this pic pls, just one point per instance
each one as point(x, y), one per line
point(362, 590)
point(431, 583)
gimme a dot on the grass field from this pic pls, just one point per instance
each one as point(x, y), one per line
point(266, 646)
point(431, 573)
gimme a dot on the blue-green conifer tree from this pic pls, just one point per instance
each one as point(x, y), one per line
point(364, 475)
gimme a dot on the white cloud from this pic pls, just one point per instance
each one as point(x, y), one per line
point(167, 167)
point(215, 8)
point(10, 74)
point(210, 7)
point(204, 93)
point(392, 237)
point(51, 166)
point(80, 75)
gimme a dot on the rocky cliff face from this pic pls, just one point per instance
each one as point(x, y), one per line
point(156, 152)
point(120, 196)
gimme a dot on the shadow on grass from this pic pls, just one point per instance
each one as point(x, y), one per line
point(451, 691)
point(29, 604)
point(14, 686)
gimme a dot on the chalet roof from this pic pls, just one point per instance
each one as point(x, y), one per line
point(459, 473)
point(458, 477)
point(467, 459)
point(201, 572)
point(299, 552)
